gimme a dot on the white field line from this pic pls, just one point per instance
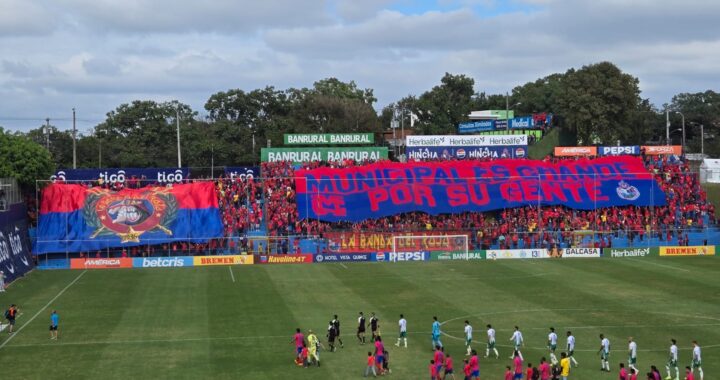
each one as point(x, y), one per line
point(659, 265)
point(343, 265)
point(232, 276)
point(42, 310)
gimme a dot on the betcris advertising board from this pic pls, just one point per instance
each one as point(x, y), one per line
point(630, 150)
point(345, 257)
point(120, 175)
point(394, 257)
point(162, 262)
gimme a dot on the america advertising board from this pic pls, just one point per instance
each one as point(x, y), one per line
point(696, 250)
point(575, 151)
point(493, 254)
point(101, 263)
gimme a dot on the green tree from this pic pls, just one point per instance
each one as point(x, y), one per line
point(60, 143)
point(441, 109)
point(597, 103)
point(23, 159)
point(700, 108)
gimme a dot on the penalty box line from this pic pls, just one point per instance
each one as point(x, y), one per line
point(10, 338)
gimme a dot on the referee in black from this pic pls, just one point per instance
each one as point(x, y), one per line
point(336, 324)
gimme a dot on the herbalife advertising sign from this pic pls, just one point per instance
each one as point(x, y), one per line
point(323, 154)
point(329, 139)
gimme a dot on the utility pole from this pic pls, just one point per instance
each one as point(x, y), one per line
point(74, 138)
point(47, 134)
point(177, 126)
point(507, 110)
point(667, 126)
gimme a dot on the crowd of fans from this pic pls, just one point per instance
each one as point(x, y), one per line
point(267, 206)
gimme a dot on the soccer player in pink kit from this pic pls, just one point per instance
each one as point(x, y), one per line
point(623, 375)
point(298, 339)
point(518, 363)
point(379, 356)
point(544, 369)
point(474, 366)
point(439, 358)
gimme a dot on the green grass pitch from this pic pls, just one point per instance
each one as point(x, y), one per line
point(189, 323)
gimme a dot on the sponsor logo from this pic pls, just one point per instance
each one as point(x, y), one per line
point(637, 252)
point(519, 152)
point(380, 256)
point(627, 191)
point(162, 262)
point(407, 256)
point(476, 255)
point(662, 150)
point(222, 260)
point(517, 253)
point(289, 259)
point(101, 263)
point(575, 151)
point(699, 250)
point(460, 153)
point(581, 252)
point(619, 150)
point(343, 257)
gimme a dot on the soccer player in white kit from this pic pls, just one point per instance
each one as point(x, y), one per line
point(672, 361)
point(468, 337)
point(552, 345)
point(491, 342)
point(697, 359)
point(632, 354)
point(604, 353)
point(402, 324)
point(518, 342)
point(571, 348)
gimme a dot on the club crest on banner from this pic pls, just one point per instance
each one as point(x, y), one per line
point(627, 191)
point(128, 217)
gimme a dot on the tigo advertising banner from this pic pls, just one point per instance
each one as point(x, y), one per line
point(108, 263)
point(390, 188)
point(222, 260)
point(15, 255)
point(347, 257)
point(368, 242)
point(580, 252)
point(493, 254)
point(115, 175)
point(394, 257)
point(285, 259)
point(630, 252)
point(575, 151)
point(299, 155)
point(460, 141)
point(661, 150)
point(697, 250)
point(74, 218)
point(633, 150)
point(242, 172)
point(465, 152)
point(471, 255)
point(329, 139)
point(162, 262)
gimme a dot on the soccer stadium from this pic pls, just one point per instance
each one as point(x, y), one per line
point(565, 229)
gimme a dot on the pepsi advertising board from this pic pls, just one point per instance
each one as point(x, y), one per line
point(120, 175)
point(465, 152)
point(631, 150)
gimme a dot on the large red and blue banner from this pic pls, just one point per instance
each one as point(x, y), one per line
point(390, 188)
point(74, 218)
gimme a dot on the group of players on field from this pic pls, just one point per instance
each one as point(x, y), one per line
point(442, 366)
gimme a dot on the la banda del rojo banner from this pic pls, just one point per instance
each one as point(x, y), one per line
point(74, 218)
point(389, 188)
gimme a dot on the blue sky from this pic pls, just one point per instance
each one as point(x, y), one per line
point(95, 55)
